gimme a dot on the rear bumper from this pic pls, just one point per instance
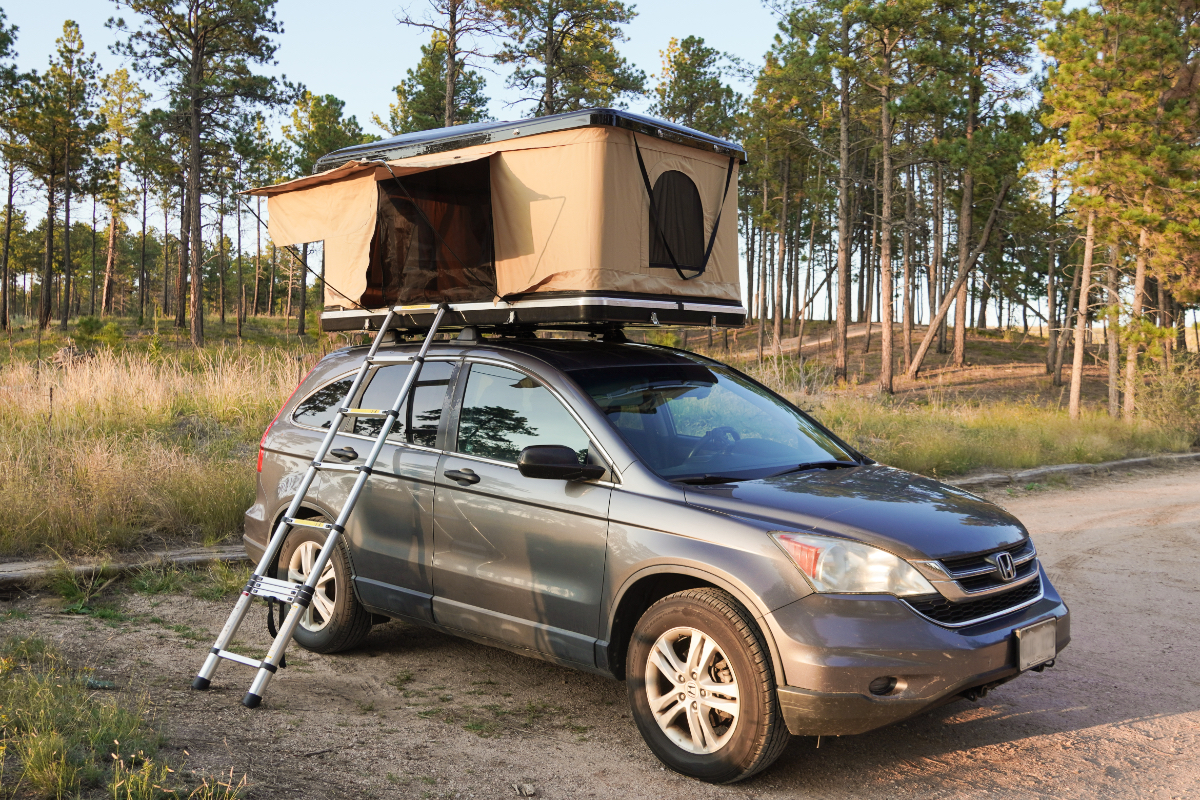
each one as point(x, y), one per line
point(833, 647)
point(256, 536)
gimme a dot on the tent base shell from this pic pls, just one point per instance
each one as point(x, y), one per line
point(568, 310)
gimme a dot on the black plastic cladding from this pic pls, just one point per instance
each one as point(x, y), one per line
point(442, 140)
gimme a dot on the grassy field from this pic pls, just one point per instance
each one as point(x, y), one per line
point(146, 440)
point(65, 733)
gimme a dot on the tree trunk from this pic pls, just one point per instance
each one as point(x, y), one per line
point(965, 213)
point(1135, 317)
point(258, 257)
point(452, 7)
point(303, 298)
point(1051, 293)
point(166, 254)
point(843, 251)
point(65, 305)
point(1113, 345)
point(221, 262)
point(194, 173)
point(1081, 316)
point(910, 289)
point(110, 260)
point(886, 313)
point(241, 285)
point(45, 301)
point(92, 303)
point(142, 257)
point(181, 276)
point(5, 319)
point(1060, 355)
point(777, 328)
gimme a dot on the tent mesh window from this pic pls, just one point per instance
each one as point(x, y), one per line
point(438, 248)
point(681, 215)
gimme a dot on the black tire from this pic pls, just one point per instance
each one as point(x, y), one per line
point(756, 736)
point(348, 623)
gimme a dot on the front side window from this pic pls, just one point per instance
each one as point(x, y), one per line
point(505, 411)
point(419, 419)
point(691, 420)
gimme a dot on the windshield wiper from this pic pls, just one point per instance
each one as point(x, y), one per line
point(816, 465)
point(704, 480)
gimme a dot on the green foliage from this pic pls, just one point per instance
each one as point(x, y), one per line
point(318, 128)
point(61, 733)
point(564, 53)
point(420, 98)
point(691, 89)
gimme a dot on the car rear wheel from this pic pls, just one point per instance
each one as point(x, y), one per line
point(335, 620)
point(702, 689)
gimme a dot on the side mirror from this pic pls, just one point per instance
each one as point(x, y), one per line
point(556, 462)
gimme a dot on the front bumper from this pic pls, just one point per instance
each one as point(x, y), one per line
point(833, 646)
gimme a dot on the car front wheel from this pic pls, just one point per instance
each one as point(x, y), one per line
point(334, 621)
point(702, 688)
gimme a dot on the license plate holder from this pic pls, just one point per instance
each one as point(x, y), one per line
point(1037, 643)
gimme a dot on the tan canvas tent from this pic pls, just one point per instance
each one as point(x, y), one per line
point(557, 207)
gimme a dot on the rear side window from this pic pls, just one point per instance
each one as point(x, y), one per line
point(418, 421)
point(505, 411)
point(319, 408)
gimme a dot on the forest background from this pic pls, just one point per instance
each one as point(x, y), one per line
point(1010, 186)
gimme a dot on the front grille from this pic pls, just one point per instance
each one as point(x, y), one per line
point(939, 609)
point(979, 560)
point(977, 583)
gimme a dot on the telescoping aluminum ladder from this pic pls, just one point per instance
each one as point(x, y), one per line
point(298, 597)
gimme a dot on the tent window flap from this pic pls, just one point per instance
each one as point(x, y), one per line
point(680, 223)
point(433, 239)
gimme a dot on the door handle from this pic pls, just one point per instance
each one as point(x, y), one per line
point(465, 476)
point(344, 453)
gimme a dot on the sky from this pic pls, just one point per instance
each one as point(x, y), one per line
point(360, 52)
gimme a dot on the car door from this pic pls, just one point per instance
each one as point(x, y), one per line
point(517, 559)
point(390, 532)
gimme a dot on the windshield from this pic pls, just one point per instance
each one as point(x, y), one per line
point(702, 420)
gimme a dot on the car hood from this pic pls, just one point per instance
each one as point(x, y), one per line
point(909, 515)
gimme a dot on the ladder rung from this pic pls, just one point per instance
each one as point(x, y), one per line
point(307, 523)
point(249, 662)
point(391, 360)
point(410, 309)
point(363, 412)
point(335, 467)
point(283, 591)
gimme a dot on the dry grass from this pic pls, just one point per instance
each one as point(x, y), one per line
point(945, 435)
point(101, 453)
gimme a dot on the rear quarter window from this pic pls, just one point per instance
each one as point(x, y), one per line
point(319, 408)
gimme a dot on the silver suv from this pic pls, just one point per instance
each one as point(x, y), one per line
point(655, 516)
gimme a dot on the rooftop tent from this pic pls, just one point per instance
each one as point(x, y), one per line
point(509, 213)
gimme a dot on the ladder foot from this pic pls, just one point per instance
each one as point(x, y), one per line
point(251, 700)
point(201, 684)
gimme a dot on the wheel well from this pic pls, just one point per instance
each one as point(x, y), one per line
point(634, 603)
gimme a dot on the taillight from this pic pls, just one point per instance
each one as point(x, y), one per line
point(263, 440)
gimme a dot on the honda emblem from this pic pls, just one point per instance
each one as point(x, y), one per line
point(1005, 567)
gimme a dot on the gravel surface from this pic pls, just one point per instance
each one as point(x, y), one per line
point(419, 714)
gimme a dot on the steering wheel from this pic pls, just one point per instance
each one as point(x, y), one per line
point(717, 439)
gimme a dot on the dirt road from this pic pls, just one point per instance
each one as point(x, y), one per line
point(419, 714)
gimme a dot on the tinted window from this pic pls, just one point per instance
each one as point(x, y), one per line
point(418, 421)
point(319, 408)
point(687, 421)
point(505, 411)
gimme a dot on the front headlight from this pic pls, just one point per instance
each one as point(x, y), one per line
point(842, 566)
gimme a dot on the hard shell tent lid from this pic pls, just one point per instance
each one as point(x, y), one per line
point(538, 212)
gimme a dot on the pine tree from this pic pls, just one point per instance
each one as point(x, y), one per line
point(565, 53)
point(122, 109)
point(692, 90)
point(205, 51)
point(317, 128)
point(420, 98)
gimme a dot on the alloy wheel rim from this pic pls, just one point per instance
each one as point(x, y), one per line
point(320, 610)
point(692, 690)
